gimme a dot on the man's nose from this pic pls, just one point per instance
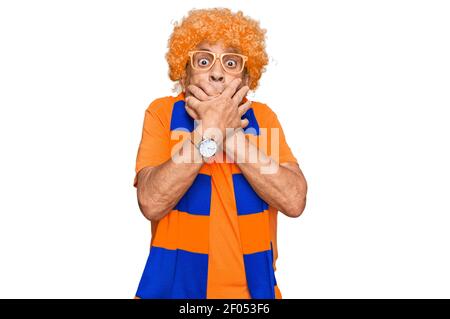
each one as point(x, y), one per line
point(216, 74)
point(216, 78)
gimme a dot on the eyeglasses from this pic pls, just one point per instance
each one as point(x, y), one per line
point(204, 60)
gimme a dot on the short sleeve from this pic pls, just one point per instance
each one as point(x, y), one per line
point(284, 151)
point(154, 148)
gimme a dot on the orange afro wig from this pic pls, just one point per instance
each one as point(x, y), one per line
point(213, 25)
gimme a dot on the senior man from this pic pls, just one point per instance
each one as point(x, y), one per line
point(213, 168)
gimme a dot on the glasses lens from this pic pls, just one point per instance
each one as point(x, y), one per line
point(232, 63)
point(202, 60)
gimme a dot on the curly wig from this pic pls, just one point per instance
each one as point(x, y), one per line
point(217, 25)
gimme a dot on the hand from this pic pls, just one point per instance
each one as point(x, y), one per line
point(203, 90)
point(219, 111)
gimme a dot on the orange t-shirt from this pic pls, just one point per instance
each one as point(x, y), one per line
point(210, 239)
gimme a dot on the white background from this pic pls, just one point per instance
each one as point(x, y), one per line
point(360, 87)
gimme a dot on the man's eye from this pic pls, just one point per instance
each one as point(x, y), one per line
point(203, 62)
point(231, 63)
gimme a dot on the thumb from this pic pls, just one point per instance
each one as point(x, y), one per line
point(191, 112)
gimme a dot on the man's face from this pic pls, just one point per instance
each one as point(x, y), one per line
point(216, 78)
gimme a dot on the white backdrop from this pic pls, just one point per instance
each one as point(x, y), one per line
point(360, 87)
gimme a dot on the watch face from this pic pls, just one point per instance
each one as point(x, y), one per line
point(208, 148)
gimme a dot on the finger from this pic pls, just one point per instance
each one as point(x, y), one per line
point(193, 102)
point(244, 107)
point(209, 89)
point(244, 123)
point(191, 112)
point(237, 98)
point(198, 92)
point(231, 88)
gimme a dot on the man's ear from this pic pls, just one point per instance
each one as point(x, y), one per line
point(183, 80)
point(183, 83)
point(246, 79)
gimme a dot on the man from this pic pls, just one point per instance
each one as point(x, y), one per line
point(207, 175)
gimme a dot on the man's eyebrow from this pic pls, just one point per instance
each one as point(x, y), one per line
point(233, 50)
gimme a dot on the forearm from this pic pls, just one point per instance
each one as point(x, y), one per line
point(279, 186)
point(161, 187)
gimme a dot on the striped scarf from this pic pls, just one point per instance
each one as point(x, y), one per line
point(177, 265)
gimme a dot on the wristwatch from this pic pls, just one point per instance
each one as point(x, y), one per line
point(207, 147)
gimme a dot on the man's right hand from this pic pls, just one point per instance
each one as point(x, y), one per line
point(221, 111)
